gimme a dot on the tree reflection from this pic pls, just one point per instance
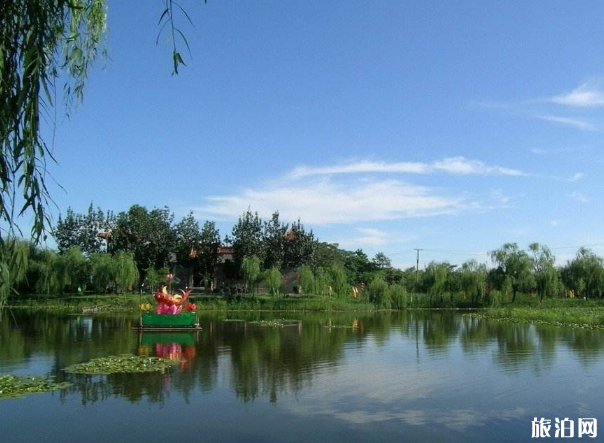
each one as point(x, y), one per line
point(258, 361)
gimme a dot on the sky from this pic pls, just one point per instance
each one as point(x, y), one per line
point(388, 126)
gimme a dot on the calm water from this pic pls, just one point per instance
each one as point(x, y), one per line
point(417, 377)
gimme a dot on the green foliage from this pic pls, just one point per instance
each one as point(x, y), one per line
point(338, 281)
point(14, 259)
point(250, 269)
point(41, 41)
point(472, 280)
point(307, 279)
point(148, 235)
point(515, 265)
point(121, 364)
point(585, 274)
point(156, 278)
point(272, 280)
point(15, 386)
point(102, 271)
point(247, 238)
point(381, 261)
point(126, 273)
point(274, 242)
point(43, 268)
point(72, 270)
point(546, 276)
point(398, 296)
point(436, 278)
point(322, 281)
point(82, 230)
point(379, 293)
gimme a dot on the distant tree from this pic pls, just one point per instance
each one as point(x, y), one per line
point(328, 253)
point(473, 280)
point(381, 261)
point(250, 269)
point(544, 270)
point(247, 238)
point(322, 281)
point(102, 270)
point(148, 235)
point(126, 272)
point(208, 248)
point(300, 247)
point(306, 279)
point(274, 242)
point(585, 274)
point(82, 230)
point(358, 266)
point(398, 296)
point(72, 270)
point(515, 265)
point(379, 293)
point(436, 278)
point(272, 280)
point(338, 279)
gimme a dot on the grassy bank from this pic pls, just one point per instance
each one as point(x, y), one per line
point(575, 313)
point(247, 302)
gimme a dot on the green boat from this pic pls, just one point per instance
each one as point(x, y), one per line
point(184, 320)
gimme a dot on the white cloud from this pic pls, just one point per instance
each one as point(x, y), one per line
point(499, 197)
point(452, 165)
point(584, 96)
point(578, 123)
point(370, 237)
point(578, 176)
point(327, 202)
point(578, 196)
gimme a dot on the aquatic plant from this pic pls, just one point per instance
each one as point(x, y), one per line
point(121, 364)
point(15, 386)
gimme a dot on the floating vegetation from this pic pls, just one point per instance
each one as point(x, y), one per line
point(121, 364)
point(276, 323)
point(340, 327)
point(15, 386)
point(232, 320)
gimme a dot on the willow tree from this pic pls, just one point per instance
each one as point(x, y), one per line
point(42, 41)
point(126, 272)
point(250, 269)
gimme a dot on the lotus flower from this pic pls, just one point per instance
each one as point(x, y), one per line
point(168, 303)
point(191, 307)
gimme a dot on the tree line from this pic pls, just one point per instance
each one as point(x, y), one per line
point(104, 251)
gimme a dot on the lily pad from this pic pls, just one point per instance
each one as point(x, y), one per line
point(121, 364)
point(275, 323)
point(15, 386)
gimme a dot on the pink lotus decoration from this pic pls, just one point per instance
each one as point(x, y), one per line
point(168, 303)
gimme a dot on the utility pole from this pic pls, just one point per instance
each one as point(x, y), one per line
point(417, 267)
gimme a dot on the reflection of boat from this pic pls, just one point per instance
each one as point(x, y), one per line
point(175, 346)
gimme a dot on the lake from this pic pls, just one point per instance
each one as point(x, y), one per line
point(417, 376)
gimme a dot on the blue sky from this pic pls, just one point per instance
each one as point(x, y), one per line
point(391, 125)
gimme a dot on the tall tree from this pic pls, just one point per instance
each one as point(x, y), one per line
point(585, 274)
point(544, 270)
point(148, 235)
point(381, 261)
point(300, 246)
point(274, 242)
point(247, 238)
point(208, 248)
point(515, 265)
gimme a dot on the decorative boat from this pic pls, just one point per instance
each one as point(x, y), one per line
point(169, 313)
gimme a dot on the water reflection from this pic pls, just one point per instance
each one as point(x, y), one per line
point(254, 361)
